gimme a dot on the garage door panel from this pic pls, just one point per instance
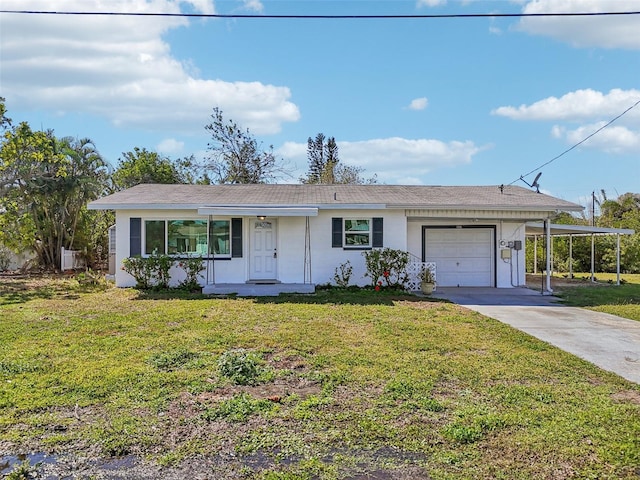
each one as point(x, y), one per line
point(463, 256)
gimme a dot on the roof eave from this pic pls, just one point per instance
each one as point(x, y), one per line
point(519, 208)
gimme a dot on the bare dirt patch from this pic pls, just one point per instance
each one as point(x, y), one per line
point(632, 396)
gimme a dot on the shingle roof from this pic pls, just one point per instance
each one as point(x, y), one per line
point(324, 196)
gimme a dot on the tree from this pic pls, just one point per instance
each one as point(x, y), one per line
point(325, 166)
point(5, 122)
point(235, 155)
point(624, 212)
point(323, 158)
point(45, 184)
point(143, 166)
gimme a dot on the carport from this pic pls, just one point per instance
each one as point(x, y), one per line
point(547, 230)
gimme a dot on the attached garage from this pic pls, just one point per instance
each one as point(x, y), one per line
point(463, 255)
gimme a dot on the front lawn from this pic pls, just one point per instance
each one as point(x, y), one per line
point(603, 295)
point(336, 385)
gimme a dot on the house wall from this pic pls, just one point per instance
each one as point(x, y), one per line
point(508, 273)
point(399, 233)
point(290, 246)
point(325, 258)
point(123, 279)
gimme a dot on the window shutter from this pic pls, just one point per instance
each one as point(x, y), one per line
point(236, 238)
point(377, 240)
point(336, 232)
point(135, 237)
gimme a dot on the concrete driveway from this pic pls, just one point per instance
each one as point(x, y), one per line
point(608, 341)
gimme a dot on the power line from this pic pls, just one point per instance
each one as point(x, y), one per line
point(391, 16)
point(577, 144)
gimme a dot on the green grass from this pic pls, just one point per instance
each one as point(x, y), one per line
point(355, 383)
point(605, 296)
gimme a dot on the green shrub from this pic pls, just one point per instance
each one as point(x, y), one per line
point(160, 265)
point(387, 267)
point(140, 269)
point(240, 366)
point(192, 267)
point(151, 271)
point(342, 274)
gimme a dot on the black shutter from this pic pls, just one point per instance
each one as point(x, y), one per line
point(336, 232)
point(236, 237)
point(135, 237)
point(377, 240)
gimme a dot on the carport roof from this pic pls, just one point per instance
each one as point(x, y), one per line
point(537, 228)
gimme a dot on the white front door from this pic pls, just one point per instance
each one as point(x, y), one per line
point(264, 257)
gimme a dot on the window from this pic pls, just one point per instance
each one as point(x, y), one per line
point(154, 238)
point(219, 237)
point(357, 232)
point(187, 237)
point(190, 237)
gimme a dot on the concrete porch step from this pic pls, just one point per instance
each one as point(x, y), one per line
point(257, 290)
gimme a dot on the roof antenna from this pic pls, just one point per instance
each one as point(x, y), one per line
point(534, 184)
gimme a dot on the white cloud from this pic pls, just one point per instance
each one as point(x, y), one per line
point(593, 107)
point(430, 3)
point(418, 103)
point(578, 105)
point(253, 5)
point(121, 68)
point(617, 31)
point(170, 146)
point(613, 139)
point(394, 160)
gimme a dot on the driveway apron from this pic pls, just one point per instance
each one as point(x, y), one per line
point(610, 342)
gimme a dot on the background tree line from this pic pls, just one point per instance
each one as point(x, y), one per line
point(623, 212)
point(47, 181)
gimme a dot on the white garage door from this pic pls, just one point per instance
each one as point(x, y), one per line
point(462, 256)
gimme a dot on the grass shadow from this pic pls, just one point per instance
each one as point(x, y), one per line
point(332, 296)
point(16, 289)
point(347, 297)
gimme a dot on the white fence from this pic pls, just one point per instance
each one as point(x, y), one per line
point(71, 260)
point(413, 271)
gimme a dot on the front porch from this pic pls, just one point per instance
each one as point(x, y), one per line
point(257, 289)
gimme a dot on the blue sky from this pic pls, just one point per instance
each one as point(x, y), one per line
point(467, 101)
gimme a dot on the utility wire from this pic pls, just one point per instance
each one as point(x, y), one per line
point(577, 144)
point(233, 15)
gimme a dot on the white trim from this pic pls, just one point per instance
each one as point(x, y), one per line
point(537, 228)
point(260, 211)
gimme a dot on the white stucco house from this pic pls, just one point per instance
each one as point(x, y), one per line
point(295, 236)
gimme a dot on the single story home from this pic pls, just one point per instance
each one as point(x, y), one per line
point(297, 235)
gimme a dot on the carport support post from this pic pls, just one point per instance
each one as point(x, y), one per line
point(547, 231)
point(570, 256)
point(535, 254)
point(593, 257)
point(618, 259)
